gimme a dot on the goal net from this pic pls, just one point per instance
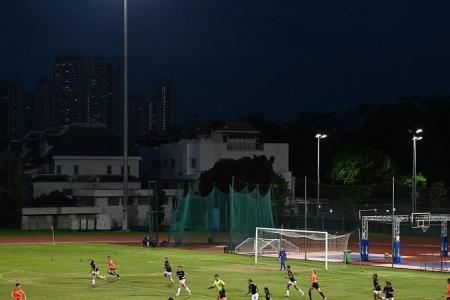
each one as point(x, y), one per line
point(298, 244)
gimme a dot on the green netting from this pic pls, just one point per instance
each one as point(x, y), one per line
point(220, 217)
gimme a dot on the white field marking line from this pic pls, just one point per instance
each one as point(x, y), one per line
point(4, 273)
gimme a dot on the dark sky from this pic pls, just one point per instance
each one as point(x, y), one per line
point(233, 57)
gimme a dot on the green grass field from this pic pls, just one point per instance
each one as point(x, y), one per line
point(62, 272)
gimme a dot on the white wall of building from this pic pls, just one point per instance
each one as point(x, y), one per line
point(94, 165)
point(205, 154)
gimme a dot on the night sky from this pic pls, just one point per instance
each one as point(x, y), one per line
point(234, 57)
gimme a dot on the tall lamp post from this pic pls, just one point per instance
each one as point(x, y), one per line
point(416, 137)
point(319, 136)
point(125, 118)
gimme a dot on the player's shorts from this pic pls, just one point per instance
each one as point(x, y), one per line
point(95, 272)
point(315, 285)
point(112, 270)
point(292, 282)
point(255, 296)
point(182, 281)
point(167, 273)
point(375, 292)
point(392, 298)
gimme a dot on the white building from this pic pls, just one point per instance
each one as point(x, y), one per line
point(187, 159)
point(86, 173)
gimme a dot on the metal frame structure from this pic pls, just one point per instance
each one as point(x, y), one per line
point(396, 221)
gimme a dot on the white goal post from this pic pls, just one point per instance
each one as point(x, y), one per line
point(298, 244)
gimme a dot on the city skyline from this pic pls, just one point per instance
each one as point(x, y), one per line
point(227, 60)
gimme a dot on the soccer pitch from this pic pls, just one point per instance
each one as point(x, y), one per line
point(62, 272)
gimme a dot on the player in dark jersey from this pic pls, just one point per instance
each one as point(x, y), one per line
point(167, 269)
point(94, 271)
point(313, 279)
point(253, 289)
point(376, 287)
point(292, 282)
point(182, 281)
point(267, 293)
point(388, 291)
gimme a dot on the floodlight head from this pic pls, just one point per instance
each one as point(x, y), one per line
point(323, 136)
point(419, 138)
point(419, 130)
point(318, 135)
point(331, 211)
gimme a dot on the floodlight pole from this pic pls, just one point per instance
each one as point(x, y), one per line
point(393, 222)
point(318, 136)
point(306, 203)
point(414, 182)
point(125, 118)
point(416, 137)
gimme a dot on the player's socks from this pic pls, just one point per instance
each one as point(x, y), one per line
point(178, 292)
point(188, 290)
point(287, 293)
point(309, 293)
point(93, 282)
point(301, 292)
point(321, 294)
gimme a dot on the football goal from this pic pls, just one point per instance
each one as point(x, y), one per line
point(298, 244)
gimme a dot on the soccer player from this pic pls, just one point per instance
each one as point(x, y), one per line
point(315, 285)
point(94, 271)
point(292, 282)
point(17, 293)
point(182, 281)
point(376, 287)
point(283, 257)
point(388, 291)
point(267, 293)
point(219, 284)
point(253, 289)
point(112, 267)
point(167, 269)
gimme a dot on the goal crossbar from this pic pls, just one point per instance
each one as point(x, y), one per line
point(284, 231)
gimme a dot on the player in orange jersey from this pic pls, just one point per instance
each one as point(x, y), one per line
point(313, 279)
point(112, 267)
point(18, 294)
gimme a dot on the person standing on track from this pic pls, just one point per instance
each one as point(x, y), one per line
point(17, 293)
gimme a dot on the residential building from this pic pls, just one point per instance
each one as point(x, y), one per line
point(187, 159)
point(85, 166)
point(68, 91)
point(163, 97)
point(11, 104)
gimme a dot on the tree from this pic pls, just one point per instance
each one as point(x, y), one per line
point(255, 170)
point(357, 166)
point(11, 190)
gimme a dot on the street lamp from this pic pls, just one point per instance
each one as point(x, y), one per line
point(416, 137)
point(153, 211)
point(125, 118)
point(319, 136)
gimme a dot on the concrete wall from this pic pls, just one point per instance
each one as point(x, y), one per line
point(95, 165)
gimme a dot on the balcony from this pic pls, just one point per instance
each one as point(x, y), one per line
point(245, 146)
